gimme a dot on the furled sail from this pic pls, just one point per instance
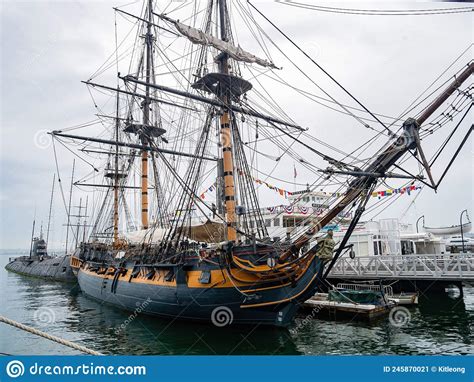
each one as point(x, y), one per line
point(210, 231)
point(236, 52)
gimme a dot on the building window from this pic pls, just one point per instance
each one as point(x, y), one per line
point(276, 222)
point(268, 222)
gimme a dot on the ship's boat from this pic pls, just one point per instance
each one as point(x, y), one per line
point(193, 130)
point(448, 231)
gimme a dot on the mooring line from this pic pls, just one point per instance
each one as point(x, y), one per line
point(48, 336)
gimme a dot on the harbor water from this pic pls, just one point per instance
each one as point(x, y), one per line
point(440, 324)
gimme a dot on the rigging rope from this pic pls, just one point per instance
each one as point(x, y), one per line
point(379, 12)
point(322, 69)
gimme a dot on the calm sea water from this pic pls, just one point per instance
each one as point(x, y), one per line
point(441, 324)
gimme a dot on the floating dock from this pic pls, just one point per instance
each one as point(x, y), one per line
point(348, 309)
point(368, 302)
point(401, 298)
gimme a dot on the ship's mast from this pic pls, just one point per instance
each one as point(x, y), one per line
point(78, 221)
point(32, 237)
point(50, 208)
point(116, 177)
point(226, 140)
point(146, 115)
point(85, 221)
point(69, 205)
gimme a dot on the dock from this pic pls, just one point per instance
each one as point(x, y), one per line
point(360, 310)
point(402, 298)
point(365, 312)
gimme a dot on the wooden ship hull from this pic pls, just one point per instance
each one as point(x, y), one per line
point(203, 291)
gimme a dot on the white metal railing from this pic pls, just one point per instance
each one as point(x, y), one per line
point(449, 267)
point(387, 289)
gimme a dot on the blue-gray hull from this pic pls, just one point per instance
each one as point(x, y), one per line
point(51, 268)
point(220, 306)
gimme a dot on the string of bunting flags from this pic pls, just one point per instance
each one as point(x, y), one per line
point(394, 191)
point(209, 189)
point(304, 210)
point(285, 193)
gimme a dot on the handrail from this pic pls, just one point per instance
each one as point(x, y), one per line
point(452, 267)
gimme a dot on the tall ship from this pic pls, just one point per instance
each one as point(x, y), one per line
point(188, 114)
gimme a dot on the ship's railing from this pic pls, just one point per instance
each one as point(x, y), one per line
point(75, 262)
point(387, 289)
point(447, 267)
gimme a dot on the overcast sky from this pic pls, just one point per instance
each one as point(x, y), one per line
point(48, 47)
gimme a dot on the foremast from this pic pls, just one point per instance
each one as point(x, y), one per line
point(146, 116)
point(116, 175)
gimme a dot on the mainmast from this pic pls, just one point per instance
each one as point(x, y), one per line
point(146, 115)
point(226, 140)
